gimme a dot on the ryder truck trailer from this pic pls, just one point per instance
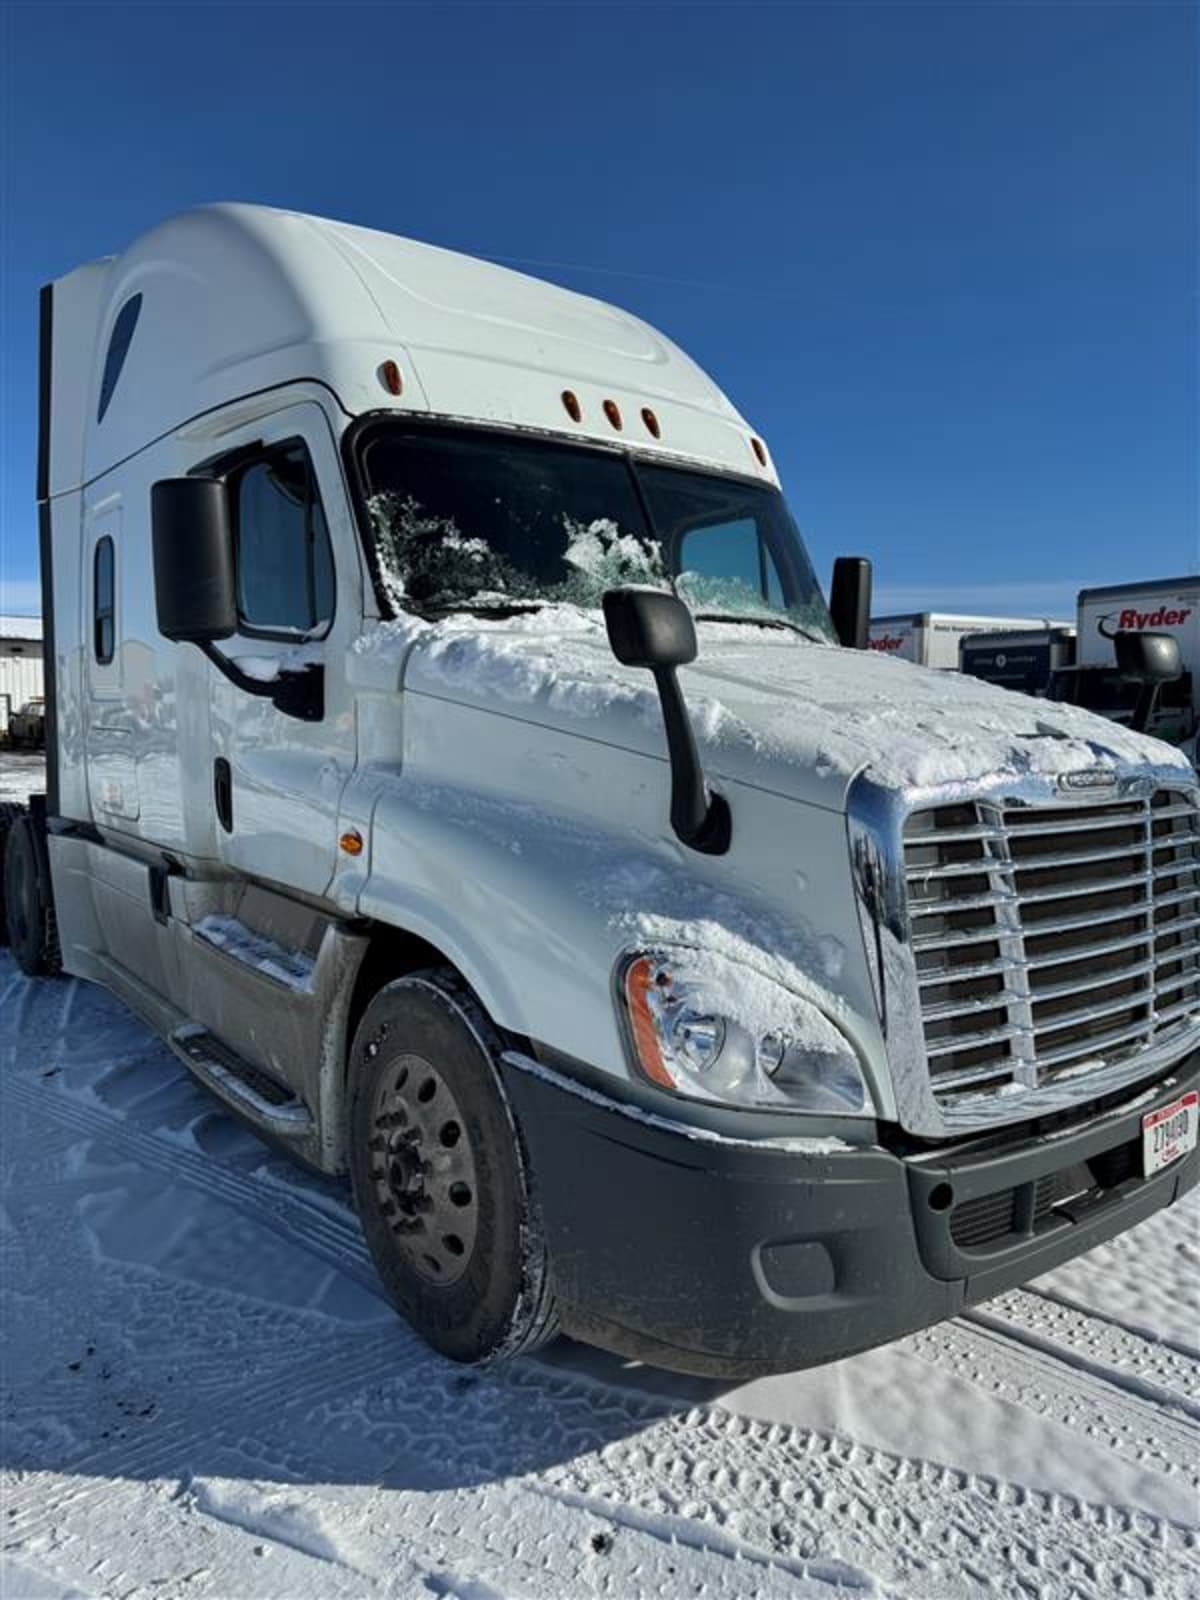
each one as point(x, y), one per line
point(452, 756)
point(1160, 605)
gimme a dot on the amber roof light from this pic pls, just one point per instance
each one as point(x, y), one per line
point(760, 450)
point(651, 421)
point(389, 375)
point(571, 405)
point(613, 412)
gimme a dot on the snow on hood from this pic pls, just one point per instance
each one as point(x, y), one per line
point(769, 708)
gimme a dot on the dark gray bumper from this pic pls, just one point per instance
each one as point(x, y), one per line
point(732, 1259)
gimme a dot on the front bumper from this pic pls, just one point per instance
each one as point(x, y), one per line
point(732, 1258)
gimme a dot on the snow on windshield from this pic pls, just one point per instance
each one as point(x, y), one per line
point(426, 560)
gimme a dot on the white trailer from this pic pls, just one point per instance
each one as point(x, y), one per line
point(452, 756)
point(932, 638)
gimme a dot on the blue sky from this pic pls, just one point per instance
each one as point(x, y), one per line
point(944, 257)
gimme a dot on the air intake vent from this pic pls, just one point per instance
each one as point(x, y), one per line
point(1050, 940)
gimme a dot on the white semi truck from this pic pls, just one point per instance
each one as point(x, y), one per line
point(933, 638)
point(452, 756)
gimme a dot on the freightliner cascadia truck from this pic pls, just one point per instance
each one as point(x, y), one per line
point(452, 755)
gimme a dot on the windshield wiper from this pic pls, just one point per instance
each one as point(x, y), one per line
point(762, 622)
point(482, 608)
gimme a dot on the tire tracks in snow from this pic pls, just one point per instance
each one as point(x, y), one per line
point(285, 1210)
point(1160, 1341)
point(703, 1478)
point(1129, 1376)
point(1166, 1375)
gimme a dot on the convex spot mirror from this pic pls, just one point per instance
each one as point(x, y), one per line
point(1148, 657)
point(194, 586)
point(649, 628)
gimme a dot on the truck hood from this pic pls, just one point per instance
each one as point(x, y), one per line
point(770, 708)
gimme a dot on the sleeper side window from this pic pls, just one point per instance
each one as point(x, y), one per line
point(118, 349)
point(284, 558)
point(104, 602)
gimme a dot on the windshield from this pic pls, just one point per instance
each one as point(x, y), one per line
point(466, 519)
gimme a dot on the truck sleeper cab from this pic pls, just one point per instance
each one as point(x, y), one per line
point(451, 754)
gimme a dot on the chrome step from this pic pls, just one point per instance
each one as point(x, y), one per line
point(242, 1085)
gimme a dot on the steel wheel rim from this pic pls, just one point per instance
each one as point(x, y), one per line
point(423, 1170)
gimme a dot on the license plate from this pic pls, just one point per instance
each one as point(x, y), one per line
point(1169, 1132)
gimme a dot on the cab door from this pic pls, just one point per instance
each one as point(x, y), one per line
point(281, 716)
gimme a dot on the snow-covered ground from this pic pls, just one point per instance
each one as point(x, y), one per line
point(20, 771)
point(205, 1394)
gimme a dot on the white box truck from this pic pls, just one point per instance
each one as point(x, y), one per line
point(451, 755)
point(1023, 659)
point(932, 638)
point(1161, 605)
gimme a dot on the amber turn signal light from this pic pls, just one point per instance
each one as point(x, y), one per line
point(641, 981)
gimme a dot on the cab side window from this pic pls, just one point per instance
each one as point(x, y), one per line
point(104, 601)
point(284, 558)
point(728, 561)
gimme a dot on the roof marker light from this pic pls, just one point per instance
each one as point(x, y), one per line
point(613, 412)
point(760, 450)
point(389, 375)
point(570, 401)
point(651, 421)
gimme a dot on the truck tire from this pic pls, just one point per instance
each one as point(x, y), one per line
point(29, 912)
point(10, 810)
point(439, 1174)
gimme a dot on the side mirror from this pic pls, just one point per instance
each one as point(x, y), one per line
point(650, 628)
point(1150, 659)
point(850, 601)
point(193, 560)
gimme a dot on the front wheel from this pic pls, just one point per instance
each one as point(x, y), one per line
point(439, 1174)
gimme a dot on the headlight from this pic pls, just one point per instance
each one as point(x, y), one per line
point(704, 1026)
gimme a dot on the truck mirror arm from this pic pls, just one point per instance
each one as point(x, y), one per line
point(700, 819)
point(298, 692)
point(653, 629)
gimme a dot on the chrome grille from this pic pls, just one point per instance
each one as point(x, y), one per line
point(1051, 939)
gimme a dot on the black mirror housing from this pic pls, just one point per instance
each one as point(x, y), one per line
point(649, 628)
point(194, 587)
point(850, 601)
point(1148, 657)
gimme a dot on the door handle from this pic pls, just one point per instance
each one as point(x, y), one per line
point(223, 793)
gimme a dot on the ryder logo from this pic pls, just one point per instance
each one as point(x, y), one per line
point(1130, 620)
point(889, 643)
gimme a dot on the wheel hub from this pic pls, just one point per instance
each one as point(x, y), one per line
point(423, 1169)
